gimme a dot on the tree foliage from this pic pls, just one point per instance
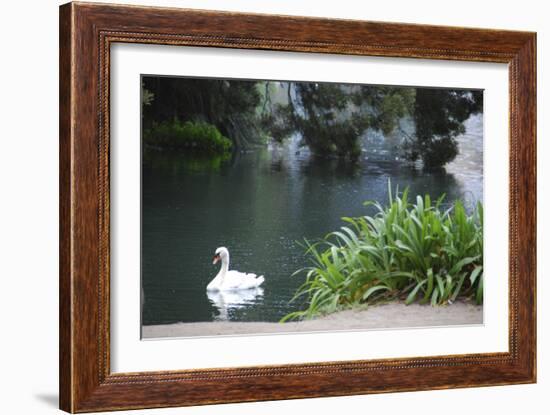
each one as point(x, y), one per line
point(330, 118)
point(195, 137)
point(229, 105)
point(439, 116)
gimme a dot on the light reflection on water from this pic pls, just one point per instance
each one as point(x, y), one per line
point(227, 301)
point(260, 205)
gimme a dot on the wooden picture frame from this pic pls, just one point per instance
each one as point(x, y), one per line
point(86, 33)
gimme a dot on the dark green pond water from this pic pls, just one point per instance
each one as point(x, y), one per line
point(259, 205)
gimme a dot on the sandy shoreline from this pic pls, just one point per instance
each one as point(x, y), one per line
point(393, 315)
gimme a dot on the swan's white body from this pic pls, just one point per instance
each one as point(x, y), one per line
point(227, 280)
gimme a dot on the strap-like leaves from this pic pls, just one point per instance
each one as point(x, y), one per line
point(420, 250)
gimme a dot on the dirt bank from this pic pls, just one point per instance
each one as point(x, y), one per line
point(393, 315)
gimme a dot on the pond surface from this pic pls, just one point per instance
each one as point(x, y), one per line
point(260, 205)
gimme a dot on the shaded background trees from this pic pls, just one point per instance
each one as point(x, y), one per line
point(228, 105)
point(329, 118)
point(439, 116)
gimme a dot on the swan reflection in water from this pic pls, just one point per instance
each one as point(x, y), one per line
point(224, 301)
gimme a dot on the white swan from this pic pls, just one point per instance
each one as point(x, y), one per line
point(231, 280)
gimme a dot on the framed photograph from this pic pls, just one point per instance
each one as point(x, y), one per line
point(258, 207)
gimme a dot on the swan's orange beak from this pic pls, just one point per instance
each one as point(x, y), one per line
point(215, 259)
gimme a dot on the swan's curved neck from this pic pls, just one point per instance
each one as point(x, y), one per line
point(224, 268)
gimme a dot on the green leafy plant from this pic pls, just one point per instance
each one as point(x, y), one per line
point(195, 137)
point(406, 251)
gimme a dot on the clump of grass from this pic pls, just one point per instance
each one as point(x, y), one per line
point(406, 251)
point(196, 137)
